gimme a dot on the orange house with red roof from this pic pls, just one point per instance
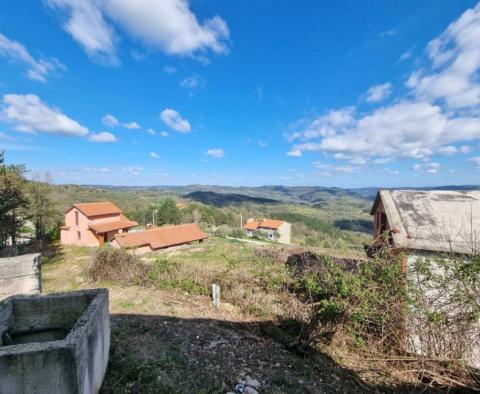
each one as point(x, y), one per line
point(93, 224)
point(276, 230)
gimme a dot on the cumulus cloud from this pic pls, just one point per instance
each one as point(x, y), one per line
point(455, 57)
point(378, 93)
point(29, 114)
point(217, 153)
point(172, 119)
point(37, 69)
point(151, 132)
point(405, 129)
point(438, 115)
point(323, 126)
point(131, 125)
point(103, 136)
point(154, 155)
point(168, 26)
point(110, 120)
point(85, 22)
point(163, 134)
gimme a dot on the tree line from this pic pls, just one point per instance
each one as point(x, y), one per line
point(23, 201)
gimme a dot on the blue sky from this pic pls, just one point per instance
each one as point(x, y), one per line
point(345, 93)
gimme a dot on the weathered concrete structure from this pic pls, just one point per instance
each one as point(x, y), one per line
point(20, 275)
point(55, 343)
point(437, 229)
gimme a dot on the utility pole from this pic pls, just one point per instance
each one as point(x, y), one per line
point(241, 219)
point(153, 218)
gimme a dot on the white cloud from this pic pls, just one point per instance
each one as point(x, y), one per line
point(334, 168)
point(438, 115)
point(84, 21)
point(99, 170)
point(323, 126)
point(103, 136)
point(154, 155)
point(192, 82)
point(476, 161)
point(163, 134)
point(110, 120)
point(404, 129)
point(378, 93)
point(430, 168)
point(168, 26)
point(169, 69)
point(294, 153)
point(173, 120)
point(133, 170)
point(151, 132)
point(131, 125)
point(29, 114)
point(455, 57)
point(262, 144)
point(217, 153)
point(37, 69)
point(406, 55)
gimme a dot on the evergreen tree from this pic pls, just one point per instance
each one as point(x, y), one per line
point(13, 201)
point(168, 213)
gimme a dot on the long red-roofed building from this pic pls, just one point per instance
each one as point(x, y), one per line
point(160, 238)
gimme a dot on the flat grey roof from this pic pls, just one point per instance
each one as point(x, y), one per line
point(444, 221)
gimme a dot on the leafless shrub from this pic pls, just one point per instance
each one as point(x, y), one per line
point(117, 265)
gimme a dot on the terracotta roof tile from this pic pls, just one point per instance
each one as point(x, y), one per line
point(111, 226)
point(97, 208)
point(253, 225)
point(266, 223)
point(162, 237)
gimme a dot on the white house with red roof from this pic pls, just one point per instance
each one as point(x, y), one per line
point(275, 230)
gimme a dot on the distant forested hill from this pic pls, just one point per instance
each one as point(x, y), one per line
point(223, 200)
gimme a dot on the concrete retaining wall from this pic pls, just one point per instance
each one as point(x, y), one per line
point(56, 343)
point(20, 275)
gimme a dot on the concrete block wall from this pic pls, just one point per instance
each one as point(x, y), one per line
point(57, 343)
point(20, 275)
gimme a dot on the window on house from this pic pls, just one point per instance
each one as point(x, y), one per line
point(79, 235)
point(76, 218)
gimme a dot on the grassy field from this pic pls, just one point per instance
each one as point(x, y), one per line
point(167, 337)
